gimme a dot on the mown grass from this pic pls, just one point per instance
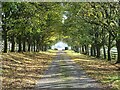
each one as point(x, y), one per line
point(105, 72)
point(23, 70)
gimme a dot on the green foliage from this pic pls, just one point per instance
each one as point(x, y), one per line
point(78, 24)
point(32, 21)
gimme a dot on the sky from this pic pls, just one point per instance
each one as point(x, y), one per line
point(60, 45)
point(64, 17)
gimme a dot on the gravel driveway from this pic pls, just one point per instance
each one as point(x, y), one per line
point(64, 74)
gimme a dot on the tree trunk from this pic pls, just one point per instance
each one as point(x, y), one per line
point(24, 44)
point(98, 51)
point(86, 50)
point(13, 44)
point(82, 49)
point(109, 48)
point(16, 48)
point(76, 49)
point(34, 46)
point(109, 56)
point(28, 47)
point(104, 51)
point(42, 47)
point(9, 46)
point(5, 41)
point(4, 35)
point(20, 48)
point(45, 48)
point(96, 45)
point(94, 50)
point(37, 46)
point(118, 50)
point(91, 51)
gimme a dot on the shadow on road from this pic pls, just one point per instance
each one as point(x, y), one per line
point(64, 74)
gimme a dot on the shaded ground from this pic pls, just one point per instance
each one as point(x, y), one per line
point(105, 72)
point(20, 71)
point(64, 73)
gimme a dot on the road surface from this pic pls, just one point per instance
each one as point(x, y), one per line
point(64, 74)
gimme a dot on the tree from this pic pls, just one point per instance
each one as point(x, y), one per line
point(29, 22)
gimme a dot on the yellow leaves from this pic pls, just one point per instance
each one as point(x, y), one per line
point(53, 38)
point(6, 67)
point(101, 70)
point(99, 14)
point(22, 70)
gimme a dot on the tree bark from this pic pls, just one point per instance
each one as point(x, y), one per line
point(98, 51)
point(118, 50)
point(91, 51)
point(20, 46)
point(37, 46)
point(28, 47)
point(34, 46)
point(5, 40)
point(45, 48)
point(109, 48)
point(13, 44)
point(82, 49)
point(94, 50)
point(76, 49)
point(86, 50)
point(42, 48)
point(104, 51)
point(109, 54)
point(4, 35)
point(24, 44)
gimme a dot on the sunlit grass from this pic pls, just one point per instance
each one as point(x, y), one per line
point(105, 72)
point(23, 70)
point(52, 51)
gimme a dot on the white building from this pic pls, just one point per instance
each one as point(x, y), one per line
point(60, 46)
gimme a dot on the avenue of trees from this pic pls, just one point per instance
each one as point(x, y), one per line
point(34, 26)
point(94, 26)
point(29, 26)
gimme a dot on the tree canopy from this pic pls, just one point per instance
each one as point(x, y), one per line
point(35, 26)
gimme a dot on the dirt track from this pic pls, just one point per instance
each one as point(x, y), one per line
point(64, 73)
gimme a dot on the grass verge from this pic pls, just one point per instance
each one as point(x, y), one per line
point(23, 70)
point(105, 72)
